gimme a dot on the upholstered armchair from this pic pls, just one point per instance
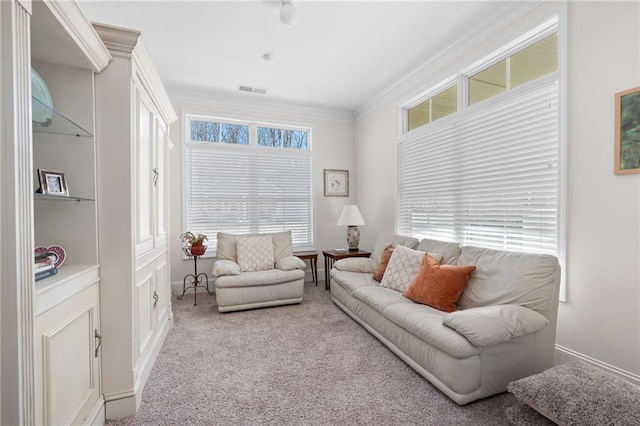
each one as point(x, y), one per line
point(257, 270)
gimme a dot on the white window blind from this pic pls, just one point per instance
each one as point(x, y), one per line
point(248, 191)
point(488, 175)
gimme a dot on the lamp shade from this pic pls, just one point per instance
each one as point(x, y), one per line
point(350, 216)
point(287, 13)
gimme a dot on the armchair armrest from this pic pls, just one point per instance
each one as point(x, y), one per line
point(356, 264)
point(225, 267)
point(490, 325)
point(289, 263)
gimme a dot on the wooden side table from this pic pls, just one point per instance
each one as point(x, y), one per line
point(330, 257)
point(312, 257)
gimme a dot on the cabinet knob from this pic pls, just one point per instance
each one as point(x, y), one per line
point(156, 174)
point(99, 342)
point(155, 298)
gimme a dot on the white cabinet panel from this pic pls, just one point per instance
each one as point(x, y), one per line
point(67, 359)
point(144, 318)
point(144, 173)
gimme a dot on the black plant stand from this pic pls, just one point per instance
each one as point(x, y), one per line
point(195, 280)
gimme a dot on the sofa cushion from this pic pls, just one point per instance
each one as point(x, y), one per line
point(438, 286)
point(290, 262)
point(402, 267)
point(382, 265)
point(259, 278)
point(490, 325)
point(425, 323)
point(378, 298)
point(226, 247)
point(386, 239)
point(504, 278)
point(351, 280)
point(450, 251)
point(255, 253)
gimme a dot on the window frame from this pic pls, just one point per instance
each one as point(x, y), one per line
point(251, 149)
point(553, 23)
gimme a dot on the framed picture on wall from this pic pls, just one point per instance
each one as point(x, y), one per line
point(53, 183)
point(336, 183)
point(627, 137)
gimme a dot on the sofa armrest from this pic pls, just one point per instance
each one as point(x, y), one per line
point(225, 267)
point(356, 264)
point(289, 263)
point(490, 325)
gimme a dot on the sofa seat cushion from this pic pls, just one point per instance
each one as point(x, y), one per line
point(351, 280)
point(379, 298)
point(259, 278)
point(426, 324)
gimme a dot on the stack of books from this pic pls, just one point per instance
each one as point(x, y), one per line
point(45, 265)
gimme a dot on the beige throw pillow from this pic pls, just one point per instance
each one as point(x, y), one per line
point(402, 267)
point(255, 253)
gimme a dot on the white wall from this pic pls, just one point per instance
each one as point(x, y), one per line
point(332, 146)
point(601, 321)
point(602, 316)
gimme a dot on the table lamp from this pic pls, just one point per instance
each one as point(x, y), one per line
point(351, 218)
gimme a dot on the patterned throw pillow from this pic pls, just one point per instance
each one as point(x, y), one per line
point(255, 253)
point(402, 267)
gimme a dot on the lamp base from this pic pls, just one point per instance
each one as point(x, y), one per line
point(353, 238)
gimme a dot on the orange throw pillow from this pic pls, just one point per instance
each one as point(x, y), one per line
point(384, 261)
point(438, 286)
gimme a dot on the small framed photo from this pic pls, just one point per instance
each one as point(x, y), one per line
point(53, 183)
point(336, 183)
point(627, 137)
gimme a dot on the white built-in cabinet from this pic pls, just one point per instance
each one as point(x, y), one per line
point(90, 333)
point(133, 114)
point(66, 306)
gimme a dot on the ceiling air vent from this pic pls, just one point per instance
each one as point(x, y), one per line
point(252, 90)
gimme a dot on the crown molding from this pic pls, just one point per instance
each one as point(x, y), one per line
point(128, 44)
point(69, 15)
point(417, 75)
point(253, 103)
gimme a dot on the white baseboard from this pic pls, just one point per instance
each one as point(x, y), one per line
point(564, 355)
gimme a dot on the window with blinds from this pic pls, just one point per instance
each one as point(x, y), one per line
point(487, 175)
point(249, 189)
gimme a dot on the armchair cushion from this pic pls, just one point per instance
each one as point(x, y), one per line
point(490, 325)
point(225, 267)
point(226, 247)
point(290, 263)
point(255, 253)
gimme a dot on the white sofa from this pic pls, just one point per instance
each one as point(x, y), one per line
point(504, 328)
point(281, 282)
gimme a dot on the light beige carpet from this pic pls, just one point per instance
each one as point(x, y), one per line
point(307, 364)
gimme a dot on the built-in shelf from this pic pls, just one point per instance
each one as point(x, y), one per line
point(58, 123)
point(70, 280)
point(39, 196)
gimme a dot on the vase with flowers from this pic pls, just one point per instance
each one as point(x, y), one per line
point(194, 243)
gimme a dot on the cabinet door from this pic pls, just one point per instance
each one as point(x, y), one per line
point(163, 292)
point(67, 360)
point(144, 315)
point(161, 182)
point(144, 173)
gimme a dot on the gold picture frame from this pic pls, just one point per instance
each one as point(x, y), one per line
point(336, 183)
point(53, 183)
point(627, 132)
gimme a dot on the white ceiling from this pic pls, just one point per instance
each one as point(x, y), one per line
point(337, 55)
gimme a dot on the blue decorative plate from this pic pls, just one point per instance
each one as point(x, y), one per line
point(41, 99)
